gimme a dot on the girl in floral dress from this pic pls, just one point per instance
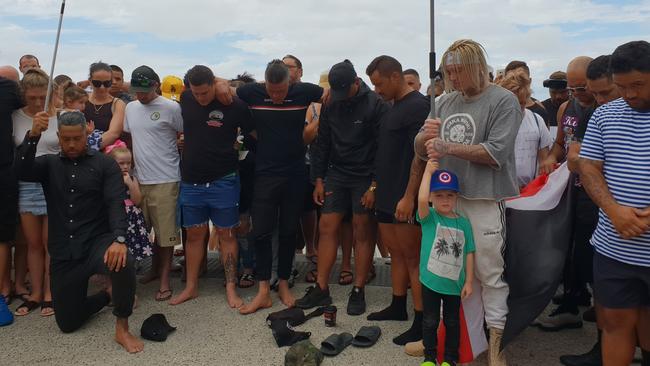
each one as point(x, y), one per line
point(137, 235)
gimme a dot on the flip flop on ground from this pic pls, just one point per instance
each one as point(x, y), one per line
point(246, 280)
point(28, 305)
point(47, 309)
point(367, 336)
point(335, 344)
point(164, 295)
point(346, 278)
point(311, 276)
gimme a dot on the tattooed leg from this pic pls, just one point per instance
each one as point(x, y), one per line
point(229, 249)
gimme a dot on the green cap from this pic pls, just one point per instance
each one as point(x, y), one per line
point(303, 353)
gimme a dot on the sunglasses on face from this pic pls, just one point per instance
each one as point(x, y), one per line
point(579, 89)
point(99, 83)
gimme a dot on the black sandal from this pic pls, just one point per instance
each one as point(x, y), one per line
point(47, 305)
point(346, 278)
point(29, 305)
point(311, 276)
point(246, 280)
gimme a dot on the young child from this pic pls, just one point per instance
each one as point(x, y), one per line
point(137, 238)
point(74, 99)
point(446, 261)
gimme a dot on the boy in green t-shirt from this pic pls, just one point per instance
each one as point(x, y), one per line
point(446, 261)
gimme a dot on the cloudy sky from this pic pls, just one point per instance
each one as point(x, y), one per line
point(236, 35)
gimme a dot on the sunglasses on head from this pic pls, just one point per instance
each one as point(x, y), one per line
point(579, 89)
point(99, 83)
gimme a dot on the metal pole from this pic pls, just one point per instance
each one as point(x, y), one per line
point(56, 48)
point(432, 61)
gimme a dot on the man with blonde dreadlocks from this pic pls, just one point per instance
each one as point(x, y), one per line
point(474, 137)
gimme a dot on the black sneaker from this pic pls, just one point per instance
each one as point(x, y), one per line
point(563, 317)
point(357, 302)
point(314, 297)
point(591, 358)
point(582, 299)
point(292, 278)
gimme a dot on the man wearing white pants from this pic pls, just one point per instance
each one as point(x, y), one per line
point(474, 137)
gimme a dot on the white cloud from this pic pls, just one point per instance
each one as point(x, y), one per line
point(323, 33)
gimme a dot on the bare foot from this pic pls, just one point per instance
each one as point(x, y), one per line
point(261, 301)
point(187, 294)
point(131, 343)
point(285, 294)
point(148, 277)
point(234, 300)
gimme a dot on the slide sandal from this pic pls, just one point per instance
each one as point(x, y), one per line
point(28, 305)
point(335, 344)
point(367, 336)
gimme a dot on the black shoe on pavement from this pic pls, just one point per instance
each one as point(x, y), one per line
point(589, 315)
point(563, 317)
point(314, 297)
point(591, 358)
point(582, 299)
point(357, 301)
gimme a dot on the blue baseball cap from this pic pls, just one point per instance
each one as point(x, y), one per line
point(444, 180)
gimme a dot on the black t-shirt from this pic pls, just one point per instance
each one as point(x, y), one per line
point(210, 134)
point(539, 110)
point(551, 109)
point(581, 130)
point(395, 151)
point(280, 146)
point(10, 100)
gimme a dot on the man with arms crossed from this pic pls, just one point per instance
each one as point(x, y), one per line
point(614, 162)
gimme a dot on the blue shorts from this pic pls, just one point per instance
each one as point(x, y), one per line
point(31, 199)
point(216, 201)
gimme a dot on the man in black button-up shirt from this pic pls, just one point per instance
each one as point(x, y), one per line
point(85, 196)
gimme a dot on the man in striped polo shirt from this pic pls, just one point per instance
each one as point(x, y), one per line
point(615, 170)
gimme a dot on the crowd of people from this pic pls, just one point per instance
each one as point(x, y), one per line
point(111, 172)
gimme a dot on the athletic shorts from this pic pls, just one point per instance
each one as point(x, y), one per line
point(619, 285)
point(389, 218)
point(8, 205)
point(31, 199)
point(340, 197)
point(159, 209)
point(216, 201)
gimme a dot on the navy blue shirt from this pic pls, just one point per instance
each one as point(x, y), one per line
point(280, 146)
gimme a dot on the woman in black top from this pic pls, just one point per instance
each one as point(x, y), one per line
point(102, 108)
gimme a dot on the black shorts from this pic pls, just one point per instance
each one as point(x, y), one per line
point(619, 285)
point(389, 218)
point(340, 197)
point(8, 205)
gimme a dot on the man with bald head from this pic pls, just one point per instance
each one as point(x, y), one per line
point(572, 116)
point(9, 101)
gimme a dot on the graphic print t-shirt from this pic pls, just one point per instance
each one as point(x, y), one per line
point(443, 255)
point(210, 134)
point(491, 119)
point(280, 147)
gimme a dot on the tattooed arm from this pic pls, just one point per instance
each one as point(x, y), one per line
point(437, 148)
point(629, 221)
